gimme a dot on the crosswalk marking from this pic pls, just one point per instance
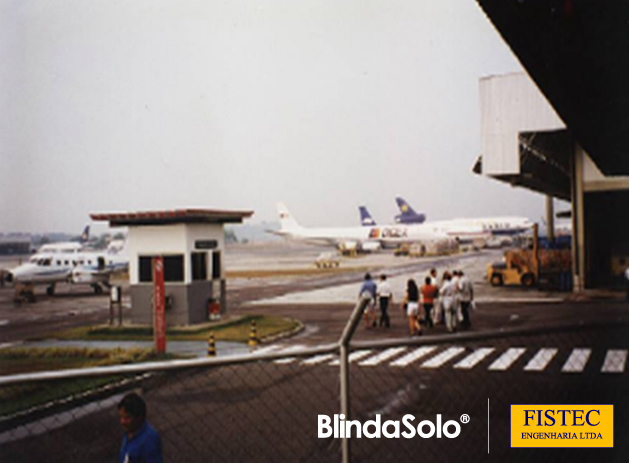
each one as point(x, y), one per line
point(443, 357)
point(413, 356)
point(614, 361)
point(474, 358)
point(577, 361)
point(382, 356)
point(541, 360)
point(317, 359)
point(289, 350)
point(507, 359)
point(354, 356)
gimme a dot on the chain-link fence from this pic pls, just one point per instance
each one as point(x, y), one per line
point(266, 407)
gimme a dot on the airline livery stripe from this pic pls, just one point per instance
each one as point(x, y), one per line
point(413, 356)
point(615, 361)
point(541, 360)
point(382, 356)
point(317, 359)
point(507, 359)
point(354, 356)
point(577, 361)
point(443, 357)
point(474, 358)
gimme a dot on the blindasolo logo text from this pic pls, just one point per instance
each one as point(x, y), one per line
point(562, 425)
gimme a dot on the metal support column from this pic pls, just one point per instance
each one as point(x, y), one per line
point(344, 350)
point(550, 219)
point(578, 220)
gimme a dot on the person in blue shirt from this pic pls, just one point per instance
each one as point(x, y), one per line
point(368, 291)
point(140, 443)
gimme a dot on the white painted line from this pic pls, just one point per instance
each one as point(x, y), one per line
point(474, 358)
point(615, 361)
point(267, 349)
point(317, 359)
point(577, 361)
point(354, 356)
point(287, 351)
point(413, 356)
point(541, 359)
point(382, 356)
point(507, 359)
point(443, 357)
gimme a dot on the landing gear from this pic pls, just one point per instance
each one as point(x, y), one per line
point(50, 290)
point(97, 288)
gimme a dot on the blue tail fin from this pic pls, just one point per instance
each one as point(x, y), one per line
point(407, 213)
point(85, 236)
point(365, 217)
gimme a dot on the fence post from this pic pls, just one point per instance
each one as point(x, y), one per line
point(346, 337)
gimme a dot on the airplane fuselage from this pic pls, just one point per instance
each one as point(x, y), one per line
point(387, 236)
point(71, 267)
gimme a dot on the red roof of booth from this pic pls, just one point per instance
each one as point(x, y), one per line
point(117, 219)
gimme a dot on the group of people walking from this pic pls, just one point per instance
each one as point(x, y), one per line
point(446, 302)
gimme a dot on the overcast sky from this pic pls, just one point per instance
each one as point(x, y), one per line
point(125, 105)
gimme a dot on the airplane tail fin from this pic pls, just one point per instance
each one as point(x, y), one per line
point(287, 221)
point(407, 213)
point(85, 236)
point(404, 207)
point(365, 217)
point(118, 247)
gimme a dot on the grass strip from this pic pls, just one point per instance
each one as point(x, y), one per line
point(236, 330)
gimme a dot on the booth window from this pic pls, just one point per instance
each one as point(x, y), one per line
point(216, 265)
point(173, 268)
point(146, 269)
point(199, 266)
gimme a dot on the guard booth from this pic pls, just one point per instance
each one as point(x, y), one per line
point(191, 242)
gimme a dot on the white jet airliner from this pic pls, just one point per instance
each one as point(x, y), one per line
point(508, 225)
point(365, 238)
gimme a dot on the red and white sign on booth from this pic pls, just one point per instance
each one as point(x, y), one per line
point(159, 306)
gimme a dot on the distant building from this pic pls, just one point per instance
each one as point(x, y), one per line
point(15, 245)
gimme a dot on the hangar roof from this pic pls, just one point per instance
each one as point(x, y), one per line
point(177, 216)
point(576, 52)
point(544, 163)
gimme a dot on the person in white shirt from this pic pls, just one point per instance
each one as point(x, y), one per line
point(385, 296)
point(466, 296)
point(437, 312)
point(446, 295)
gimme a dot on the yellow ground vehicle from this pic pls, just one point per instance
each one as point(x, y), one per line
point(530, 267)
point(520, 267)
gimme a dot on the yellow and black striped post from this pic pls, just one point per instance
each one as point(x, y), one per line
point(253, 335)
point(211, 347)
